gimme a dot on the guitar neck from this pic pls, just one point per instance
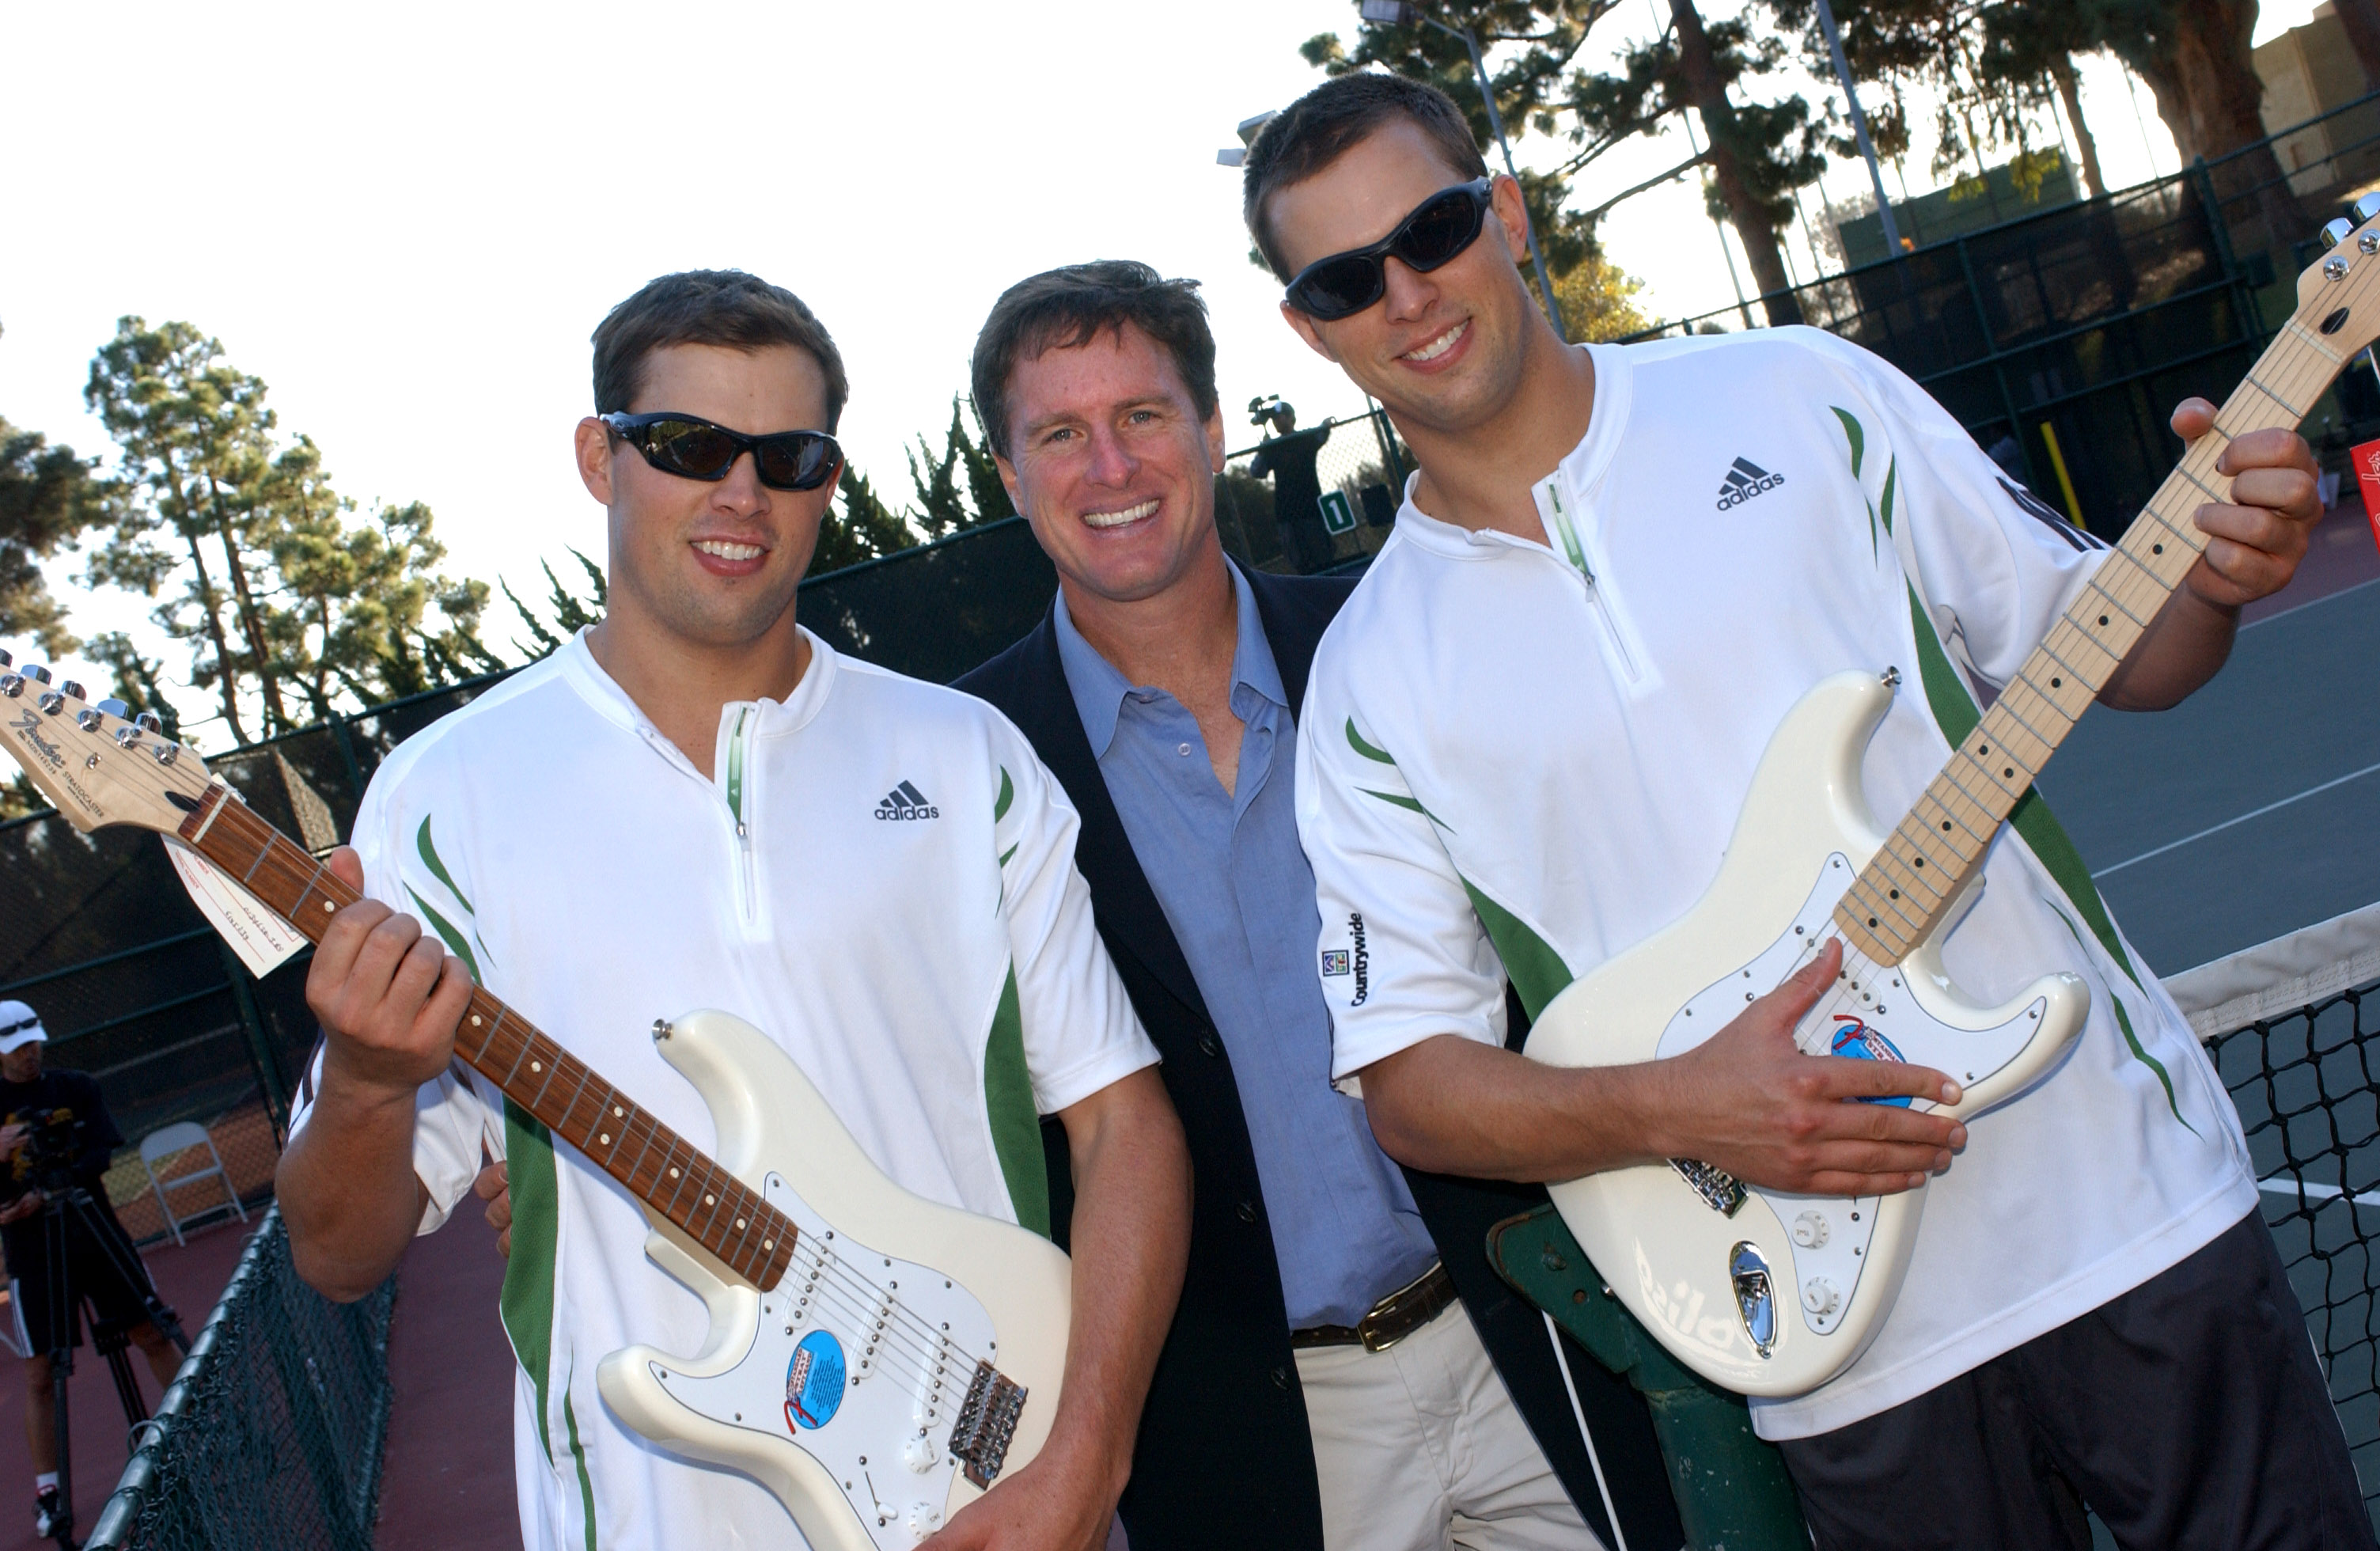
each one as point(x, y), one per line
point(744, 1233)
point(1905, 890)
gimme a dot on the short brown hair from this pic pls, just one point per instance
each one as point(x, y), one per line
point(723, 307)
point(1063, 308)
point(1317, 129)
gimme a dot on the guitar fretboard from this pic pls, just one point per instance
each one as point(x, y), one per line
point(1900, 896)
point(749, 1237)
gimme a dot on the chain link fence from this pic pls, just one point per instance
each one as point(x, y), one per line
point(2063, 340)
point(272, 1434)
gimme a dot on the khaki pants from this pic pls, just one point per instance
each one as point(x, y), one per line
point(1419, 1448)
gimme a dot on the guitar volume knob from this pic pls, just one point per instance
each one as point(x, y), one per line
point(919, 1453)
point(1810, 1230)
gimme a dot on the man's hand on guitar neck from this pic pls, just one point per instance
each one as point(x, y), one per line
point(390, 999)
point(1746, 1100)
point(2254, 543)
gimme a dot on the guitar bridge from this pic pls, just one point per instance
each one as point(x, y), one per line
point(987, 1420)
point(1720, 1190)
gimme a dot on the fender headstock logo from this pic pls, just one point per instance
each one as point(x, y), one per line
point(30, 727)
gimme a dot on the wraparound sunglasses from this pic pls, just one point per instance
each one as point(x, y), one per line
point(693, 448)
point(1440, 228)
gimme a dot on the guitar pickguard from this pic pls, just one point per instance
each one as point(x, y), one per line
point(863, 1361)
point(1882, 1019)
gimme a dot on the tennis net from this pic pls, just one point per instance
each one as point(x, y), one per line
point(2293, 1026)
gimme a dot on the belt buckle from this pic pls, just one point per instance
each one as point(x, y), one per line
point(1369, 1330)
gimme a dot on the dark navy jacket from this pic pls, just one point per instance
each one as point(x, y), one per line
point(1224, 1456)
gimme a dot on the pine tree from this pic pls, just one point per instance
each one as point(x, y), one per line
point(193, 437)
point(859, 526)
point(47, 499)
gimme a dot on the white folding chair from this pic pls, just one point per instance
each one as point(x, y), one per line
point(163, 1144)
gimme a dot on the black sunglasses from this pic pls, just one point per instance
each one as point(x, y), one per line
point(693, 448)
point(1440, 227)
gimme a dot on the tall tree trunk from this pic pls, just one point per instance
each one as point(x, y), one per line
point(227, 676)
point(1744, 208)
point(2206, 91)
point(2362, 20)
point(210, 601)
point(2070, 92)
point(277, 718)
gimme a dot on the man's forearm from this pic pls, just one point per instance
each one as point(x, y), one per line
point(2184, 646)
point(1131, 1238)
point(347, 1190)
point(1455, 1106)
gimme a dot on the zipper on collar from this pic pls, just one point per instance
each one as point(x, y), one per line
point(739, 749)
point(1615, 642)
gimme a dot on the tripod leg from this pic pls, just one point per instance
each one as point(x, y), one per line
point(59, 1276)
point(129, 1265)
point(113, 1342)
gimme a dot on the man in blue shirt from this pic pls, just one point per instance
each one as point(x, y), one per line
point(1328, 1379)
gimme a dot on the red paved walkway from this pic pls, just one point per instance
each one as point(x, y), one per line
point(448, 1480)
point(190, 1280)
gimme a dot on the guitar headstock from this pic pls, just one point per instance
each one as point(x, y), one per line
point(94, 765)
point(2338, 295)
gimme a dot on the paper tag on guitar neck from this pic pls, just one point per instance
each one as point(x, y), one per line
point(263, 940)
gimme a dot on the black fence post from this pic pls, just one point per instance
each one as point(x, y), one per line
point(2243, 296)
point(1999, 358)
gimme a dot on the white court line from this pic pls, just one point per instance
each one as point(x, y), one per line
point(2303, 1189)
point(2284, 613)
point(2218, 829)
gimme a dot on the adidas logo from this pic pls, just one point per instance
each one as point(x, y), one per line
point(905, 801)
point(1744, 480)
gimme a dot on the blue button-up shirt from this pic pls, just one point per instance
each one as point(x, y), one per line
point(1227, 869)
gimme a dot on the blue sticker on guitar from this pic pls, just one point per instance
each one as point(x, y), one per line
point(1855, 1039)
point(814, 1381)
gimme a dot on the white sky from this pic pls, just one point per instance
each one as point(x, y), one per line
point(406, 220)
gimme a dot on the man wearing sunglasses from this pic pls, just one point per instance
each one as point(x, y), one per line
point(1345, 1356)
point(687, 806)
point(1527, 740)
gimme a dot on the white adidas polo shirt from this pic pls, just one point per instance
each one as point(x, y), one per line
point(880, 876)
point(1522, 758)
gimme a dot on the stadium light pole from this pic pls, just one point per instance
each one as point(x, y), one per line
point(1859, 127)
point(1396, 13)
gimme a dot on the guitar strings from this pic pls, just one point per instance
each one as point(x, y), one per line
point(896, 1341)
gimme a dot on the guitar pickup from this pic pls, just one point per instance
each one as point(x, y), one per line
point(987, 1420)
point(1720, 1190)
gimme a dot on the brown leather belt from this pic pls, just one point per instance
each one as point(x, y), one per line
point(1392, 1319)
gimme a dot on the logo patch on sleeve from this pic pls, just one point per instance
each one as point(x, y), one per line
point(1335, 961)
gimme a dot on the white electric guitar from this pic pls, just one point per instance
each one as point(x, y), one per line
point(875, 1360)
point(1771, 1293)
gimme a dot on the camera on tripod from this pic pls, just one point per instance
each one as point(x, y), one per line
point(45, 1162)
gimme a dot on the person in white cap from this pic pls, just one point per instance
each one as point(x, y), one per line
point(29, 1097)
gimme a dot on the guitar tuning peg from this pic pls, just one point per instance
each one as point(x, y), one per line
point(2334, 232)
point(147, 722)
point(2366, 208)
point(71, 690)
point(36, 673)
point(114, 707)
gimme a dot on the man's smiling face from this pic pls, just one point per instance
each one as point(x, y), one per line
point(713, 565)
point(1111, 462)
point(1443, 349)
